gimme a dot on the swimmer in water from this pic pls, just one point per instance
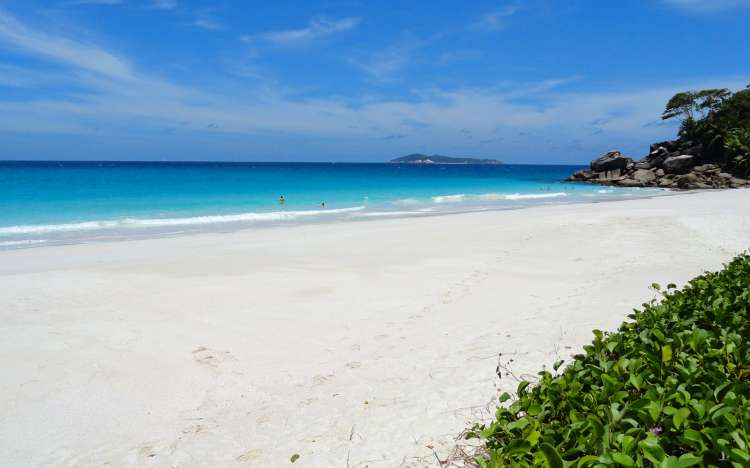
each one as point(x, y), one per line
point(322, 204)
point(282, 200)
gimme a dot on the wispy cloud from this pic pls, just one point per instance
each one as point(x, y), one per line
point(164, 4)
point(392, 137)
point(317, 28)
point(707, 6)
point(384, 65)
point(204, 19)
point(62, 50)
point(93, 2)
point(496, 19)
point(17, 77)
point(454, 56)
point(208, 23)
point(508, 118)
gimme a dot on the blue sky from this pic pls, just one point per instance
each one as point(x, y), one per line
point(535, 81)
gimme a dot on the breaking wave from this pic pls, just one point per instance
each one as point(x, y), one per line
point(531, 196)
point(449, 198)
point(167, 222)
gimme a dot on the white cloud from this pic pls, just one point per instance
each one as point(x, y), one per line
point(207, 23)
point(62, 50)
point(385, 64)
point(317, 28)
point(205, 20)
point(496, 20)
point(510, 118)
point(707, 5)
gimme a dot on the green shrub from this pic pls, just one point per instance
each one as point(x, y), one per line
point(671, 388)
point(737, 145)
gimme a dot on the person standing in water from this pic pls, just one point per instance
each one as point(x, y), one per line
point(282, 200)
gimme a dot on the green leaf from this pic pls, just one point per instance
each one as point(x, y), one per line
point(666, 353)
point(689, 459)
point(622, 459)
point(533, 437)
point(294, 458)
point(550, 453)
point(610, 383)
point(588, 460)
point(654, 410)
point(652, 450)
point(668, 389)
point(627, 443)
point(740, 456)
point(680, 416)
point(519, 447)
point(693, 436)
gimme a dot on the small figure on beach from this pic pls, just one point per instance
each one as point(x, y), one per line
point(282, 200)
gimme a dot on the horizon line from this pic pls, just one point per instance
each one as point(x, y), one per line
point(272, 162)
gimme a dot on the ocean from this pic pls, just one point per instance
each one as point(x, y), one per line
point(43, 203)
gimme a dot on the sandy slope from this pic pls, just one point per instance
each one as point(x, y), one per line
point(367, 341)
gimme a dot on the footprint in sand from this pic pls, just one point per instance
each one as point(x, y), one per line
point(250, 455)
point(308, 401)
point(209, 357)
point(321, 379)
point(194, 429)
point(146, 451)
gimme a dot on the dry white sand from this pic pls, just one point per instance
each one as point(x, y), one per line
point(359, 344)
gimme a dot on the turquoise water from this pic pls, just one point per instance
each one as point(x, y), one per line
point(43, 202)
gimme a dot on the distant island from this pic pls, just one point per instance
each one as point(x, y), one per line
point(417, 158)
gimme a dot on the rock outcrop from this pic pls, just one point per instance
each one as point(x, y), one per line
point(679, 164)
point(612, 161)
point(667, 166)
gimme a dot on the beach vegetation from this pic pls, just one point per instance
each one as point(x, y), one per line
point(718, 121)
point(670, 388)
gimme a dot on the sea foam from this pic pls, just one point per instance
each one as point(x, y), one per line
point(449, 198)
point(532, 196)
point(406, 202)
point(167, 222)
point(496, 197)
point(19, 243)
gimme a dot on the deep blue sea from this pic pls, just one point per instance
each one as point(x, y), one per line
point(53, 202)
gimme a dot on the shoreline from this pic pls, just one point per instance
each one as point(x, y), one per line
point(371, 342)
point(326, 216)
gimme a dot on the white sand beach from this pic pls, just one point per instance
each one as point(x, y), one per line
point(369, 343)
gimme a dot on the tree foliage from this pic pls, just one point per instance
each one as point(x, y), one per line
point(716, 119)
point(737, 144)
point(671, 388)
point(689, 103)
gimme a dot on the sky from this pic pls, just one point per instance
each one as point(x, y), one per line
point(534, 81)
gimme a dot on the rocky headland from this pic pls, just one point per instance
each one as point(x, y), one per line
point(712, 149)
point(666, 166)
